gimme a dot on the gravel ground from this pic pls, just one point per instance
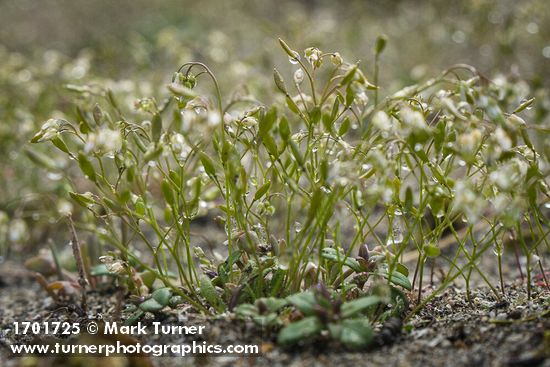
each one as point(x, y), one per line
point(449, 331)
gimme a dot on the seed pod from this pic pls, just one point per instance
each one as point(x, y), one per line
point(364, 252)
point(279, 81)
point(380, 44)
point(290, 52)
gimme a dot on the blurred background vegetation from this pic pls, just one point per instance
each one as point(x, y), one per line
point(134, 46)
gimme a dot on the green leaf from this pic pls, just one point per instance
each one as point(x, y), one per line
point(408, 199)
point(284, 129)
point(273, 304)
point(162, 296)
point(267, 122)
point(148, 277)
point(271, 146)
point(86, 166)
point(209, 293)
point(356, 333)
point(300, 330)
point(332, 254)
point(60, 144)
point(267, 320)
point(397, 278)
point(305, 302)
point(151, 305)
point(335, 109)
point(352, 308)
point(315, 203)
point(402, 269)
point(315, 115)
point(156, 127)
point(292, 105)
point(277, 281)
point(344, 127)
point(101, 270)
point(246, 310)
point(262, 190)
point(350, 96)
point(167, 192)
point(208, 164)
point(296, 153)
point(83, 124)
point(349, 75)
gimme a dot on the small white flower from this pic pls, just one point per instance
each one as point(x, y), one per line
point(64, 207)
point(468, 143)
point(468, 201)
point(382, 121)
point(509, 175)
point(413, 121)
point(109, 140)
point(105, 141)
point(313, 55)
point(503, 139)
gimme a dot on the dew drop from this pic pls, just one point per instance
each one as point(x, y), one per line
point(297, 227)
point(294, 60)
point(396, 237)
point(54, 176)
point(325, 189)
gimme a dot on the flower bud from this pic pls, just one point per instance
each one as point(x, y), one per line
point(336, 59)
